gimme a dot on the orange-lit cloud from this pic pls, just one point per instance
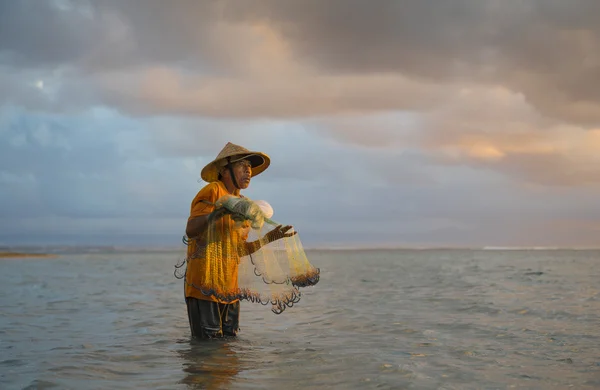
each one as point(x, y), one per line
point(487, 128)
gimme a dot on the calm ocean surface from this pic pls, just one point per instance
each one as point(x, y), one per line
point(432, 319)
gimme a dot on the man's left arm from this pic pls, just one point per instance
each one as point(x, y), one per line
point(248, 248)
point(279, 232)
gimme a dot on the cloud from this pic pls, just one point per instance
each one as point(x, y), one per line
point(492, 129)
point(85, 166)
point(499, 130)
point(281, 59)
point(470, 121)
point(289, 96)
point(546, 50)
point(36, 35)
point(100, 174)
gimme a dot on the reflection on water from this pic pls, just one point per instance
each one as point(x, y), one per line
point(209, 364)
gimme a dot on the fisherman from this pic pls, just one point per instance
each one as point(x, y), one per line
point(209, 314)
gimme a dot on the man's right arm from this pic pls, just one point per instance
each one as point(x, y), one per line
point(201, 210)
point(197, 226)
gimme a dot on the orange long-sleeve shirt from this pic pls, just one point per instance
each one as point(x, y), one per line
point(216, 266)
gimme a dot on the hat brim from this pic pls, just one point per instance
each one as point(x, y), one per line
point(259, 161)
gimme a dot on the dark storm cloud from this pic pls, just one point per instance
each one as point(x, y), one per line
point(547, 50)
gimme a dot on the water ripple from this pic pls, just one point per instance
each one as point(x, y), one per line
point(377, 319)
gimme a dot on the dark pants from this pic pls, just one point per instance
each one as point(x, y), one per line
point(211, 319)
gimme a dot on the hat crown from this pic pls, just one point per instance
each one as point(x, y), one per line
point(231, 149)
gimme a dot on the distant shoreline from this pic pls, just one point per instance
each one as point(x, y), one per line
point(8, 255)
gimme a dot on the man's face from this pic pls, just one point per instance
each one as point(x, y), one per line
point(243, 173)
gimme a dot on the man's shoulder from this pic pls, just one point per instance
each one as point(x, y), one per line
point(209, 189)
point(202, 202)
point(212, 186)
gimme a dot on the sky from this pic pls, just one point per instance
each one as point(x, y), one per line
point(389, 123)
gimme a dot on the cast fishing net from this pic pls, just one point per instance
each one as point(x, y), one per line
point(237, 260)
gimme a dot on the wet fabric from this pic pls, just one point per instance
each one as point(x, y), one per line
point(198, 272)
point(212, 319)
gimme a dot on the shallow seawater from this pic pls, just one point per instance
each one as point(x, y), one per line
point(429, 319)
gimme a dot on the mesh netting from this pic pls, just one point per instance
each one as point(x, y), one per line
point(246, 256)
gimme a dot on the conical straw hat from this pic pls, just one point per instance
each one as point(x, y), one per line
point(259, 161)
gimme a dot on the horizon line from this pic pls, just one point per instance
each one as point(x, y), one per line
point(338, 247)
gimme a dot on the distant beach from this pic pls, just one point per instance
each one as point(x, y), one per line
point(4, 255)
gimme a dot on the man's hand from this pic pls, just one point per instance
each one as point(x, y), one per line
point(220, 212)
point(217, 214)
point(279, 232)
